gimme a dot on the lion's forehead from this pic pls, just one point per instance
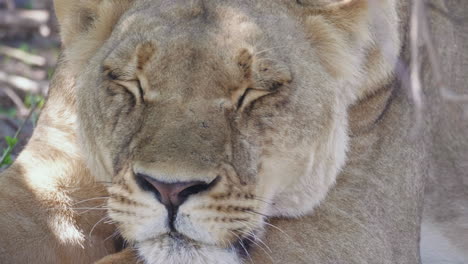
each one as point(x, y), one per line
point(223, 21)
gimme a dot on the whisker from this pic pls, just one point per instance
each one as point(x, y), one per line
point(257, 238)
point(91, 199)
point(99, 207)
point(97, 223)
point(231, 245)
point(268, 224)
point(279, 229)
point(113, 235)
point(110, 222)
point(87, 209)
point(263, 243)
point(243, 246)
point(256, 197)
point(254, 241)
point(263, 199)
point(247, 235)
point(255, 212)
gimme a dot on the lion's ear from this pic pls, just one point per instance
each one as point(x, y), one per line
point(77, 17)
point(351, 35)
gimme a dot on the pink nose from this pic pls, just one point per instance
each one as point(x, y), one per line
point(172, 194)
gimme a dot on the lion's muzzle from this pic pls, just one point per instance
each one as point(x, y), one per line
point(172, 195)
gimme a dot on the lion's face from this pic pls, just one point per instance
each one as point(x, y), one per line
point(207, 119)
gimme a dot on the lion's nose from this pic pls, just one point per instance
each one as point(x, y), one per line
point(172, 194)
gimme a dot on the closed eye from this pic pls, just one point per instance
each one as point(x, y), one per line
point(242, 98)
point(249, 96)
point(131, 87)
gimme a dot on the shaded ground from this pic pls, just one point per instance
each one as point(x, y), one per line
point(29, 47)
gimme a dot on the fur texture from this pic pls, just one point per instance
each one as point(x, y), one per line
point(276, 100)
point(218, 98)
point(50, 203)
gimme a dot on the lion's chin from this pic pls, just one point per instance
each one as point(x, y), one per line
point(177, 249)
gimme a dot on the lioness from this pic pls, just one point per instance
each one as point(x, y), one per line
point(206, 118)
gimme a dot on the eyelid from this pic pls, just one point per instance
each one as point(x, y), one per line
point(241, 99)
point(253, 93)
point(133, 86)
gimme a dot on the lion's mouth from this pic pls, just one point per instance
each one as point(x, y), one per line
point(177, 242)
point(177, 239)
point(176, 248)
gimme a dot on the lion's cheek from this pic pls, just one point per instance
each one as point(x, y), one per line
point(139, 228)
point(138, 223)
point(298, 183)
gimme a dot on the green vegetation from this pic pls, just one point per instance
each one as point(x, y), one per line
point(50, 72)
point(10, 112)
point(24, 47)
point(33, 102)
point(33, 99)
point(6, 156)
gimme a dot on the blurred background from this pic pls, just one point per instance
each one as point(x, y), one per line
point(29, 47)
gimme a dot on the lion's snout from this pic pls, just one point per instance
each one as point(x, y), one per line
point(172, 194)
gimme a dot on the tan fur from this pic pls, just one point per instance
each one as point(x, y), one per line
point(47, 215)
point(156, 77)
point(125, 256)
point(320, 75)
